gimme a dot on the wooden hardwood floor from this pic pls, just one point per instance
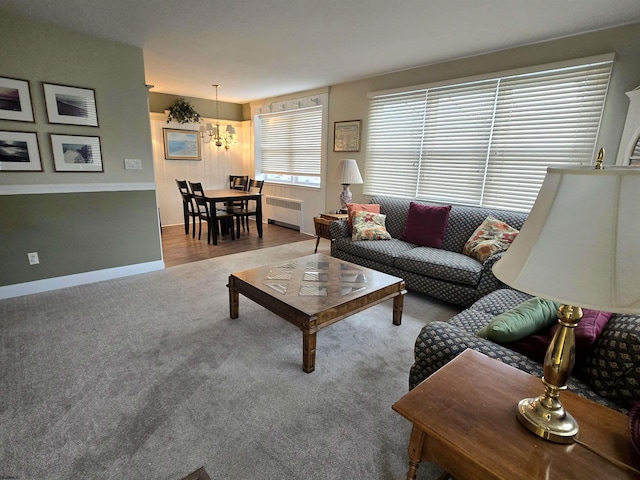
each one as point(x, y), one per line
point(178, 248)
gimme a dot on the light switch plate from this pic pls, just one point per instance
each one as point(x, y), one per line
point(132, 164)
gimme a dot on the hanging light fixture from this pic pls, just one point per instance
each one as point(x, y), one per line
point(210, 133)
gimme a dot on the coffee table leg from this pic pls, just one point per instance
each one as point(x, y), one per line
point(308, 352)
point(234, 298)
point(398, 303)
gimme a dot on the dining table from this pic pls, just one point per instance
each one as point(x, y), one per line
point(228, 196)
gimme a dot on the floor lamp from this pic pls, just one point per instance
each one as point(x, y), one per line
point(580, 246)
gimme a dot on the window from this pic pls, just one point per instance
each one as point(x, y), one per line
point(289, 148)
point(485, 142)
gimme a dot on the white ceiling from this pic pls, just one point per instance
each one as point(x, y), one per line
point(261, 48)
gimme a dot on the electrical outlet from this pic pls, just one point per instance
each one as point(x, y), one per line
point(33, 258)
point(132, 164)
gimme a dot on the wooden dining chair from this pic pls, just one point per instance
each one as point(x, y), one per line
point(238, 182)
point(247, 208)
point(222, 216)
point(196, 188)
point(192, 212)
point(184, 188)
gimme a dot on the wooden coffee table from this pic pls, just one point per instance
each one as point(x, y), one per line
point(464, 419)
point(314, 292)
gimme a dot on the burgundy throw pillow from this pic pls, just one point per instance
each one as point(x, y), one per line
point(586, 334)
point(589, 329)
point(426, 225)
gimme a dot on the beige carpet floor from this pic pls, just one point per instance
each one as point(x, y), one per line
point(147, 377)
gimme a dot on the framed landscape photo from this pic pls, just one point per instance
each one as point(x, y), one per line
point(19, 152)
point(181, 144)
point(73, 153)
point(70, 105)
point(15, 100)
point(346, 136)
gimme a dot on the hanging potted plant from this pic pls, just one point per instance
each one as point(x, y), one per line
point(182, 112)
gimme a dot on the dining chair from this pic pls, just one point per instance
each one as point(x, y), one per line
point(196, 188)
point(225, 218)
point(184, 188)
point(192, 212)
point(238, 182)
point(246, 210)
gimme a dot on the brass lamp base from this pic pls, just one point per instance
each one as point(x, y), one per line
point(555, 424)
point(545, 416)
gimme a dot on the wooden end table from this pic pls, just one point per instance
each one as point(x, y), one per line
point(464, 419)
point(314, 292)
point(322, 223)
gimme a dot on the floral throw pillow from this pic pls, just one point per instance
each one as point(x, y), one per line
point(492, 236)
point(368, 226)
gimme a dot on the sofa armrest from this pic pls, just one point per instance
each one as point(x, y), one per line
point(439, 342)
point(339, 229)
point(488, 282)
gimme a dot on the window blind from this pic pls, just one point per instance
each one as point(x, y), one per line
point(291, 142)
point(487, 142)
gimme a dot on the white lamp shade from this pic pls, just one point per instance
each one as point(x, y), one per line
point(580, 245)
point(347, 172)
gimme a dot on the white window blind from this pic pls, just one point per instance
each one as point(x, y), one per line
point(291, 142)
point(486, 142)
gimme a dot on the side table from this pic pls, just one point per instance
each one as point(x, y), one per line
point(322, 225)
point(464, 419)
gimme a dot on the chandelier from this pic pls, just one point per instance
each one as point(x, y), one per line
point(211, 133)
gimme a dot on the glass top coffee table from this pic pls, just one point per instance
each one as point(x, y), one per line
point(314, 292)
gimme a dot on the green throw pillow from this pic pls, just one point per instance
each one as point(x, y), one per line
point(529, 317)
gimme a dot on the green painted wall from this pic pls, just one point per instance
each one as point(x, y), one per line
point(78, 232)
point(159, 102)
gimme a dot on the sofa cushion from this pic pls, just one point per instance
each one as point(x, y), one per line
point(442, 264)
point(382, 252)
point(492, 236)
point(531, 316)
point(368, 226)
point(426, 224)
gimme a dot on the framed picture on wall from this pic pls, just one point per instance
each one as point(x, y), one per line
point(70, 105)
point(181, 144)
point(15, 100)
point(346, 136)
point(74, 153)
point(19, 152)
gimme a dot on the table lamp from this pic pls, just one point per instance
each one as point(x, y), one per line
point(346, 173)
point(580, 247)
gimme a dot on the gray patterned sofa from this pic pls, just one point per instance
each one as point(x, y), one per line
point(443, 273)
point(608, 374)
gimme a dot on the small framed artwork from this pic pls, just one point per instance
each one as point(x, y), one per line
point(15, 100)
point(19, 152)
point(70, 105)
point(73, 153)
point(181, 144)
point(346, 136)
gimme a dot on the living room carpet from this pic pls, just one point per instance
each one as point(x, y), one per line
point(147, 377)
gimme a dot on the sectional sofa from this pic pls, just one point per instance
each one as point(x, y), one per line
point(608, 371)
point(444, 273)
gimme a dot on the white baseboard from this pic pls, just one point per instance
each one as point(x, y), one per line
point(48, 284)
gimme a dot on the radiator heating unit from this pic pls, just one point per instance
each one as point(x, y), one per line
point(286, 212)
